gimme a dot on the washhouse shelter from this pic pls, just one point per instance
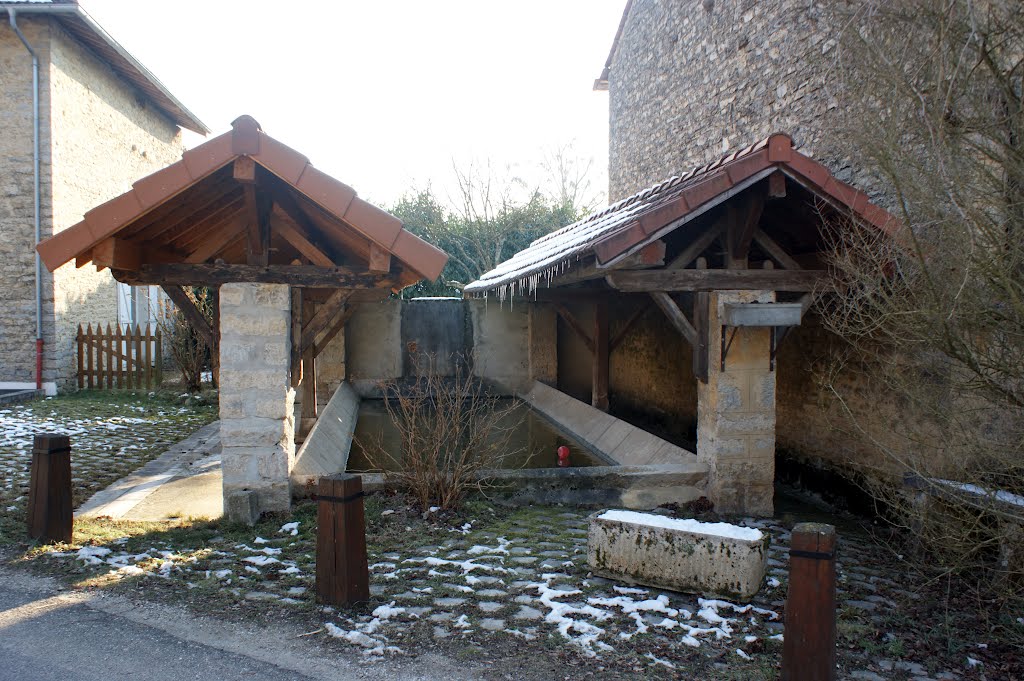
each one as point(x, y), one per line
point(286, 252)
point(673, 303)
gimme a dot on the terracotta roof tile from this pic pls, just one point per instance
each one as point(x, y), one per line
point(630, 223)
point(245, 139)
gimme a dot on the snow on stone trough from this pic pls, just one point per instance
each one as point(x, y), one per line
point(714, 559)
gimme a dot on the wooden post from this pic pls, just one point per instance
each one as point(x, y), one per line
point(159, 351)
point(88, 353)
point(342, 575)
point(809, 641)
point(80, 338)
point(599, 382)
point(49, 495)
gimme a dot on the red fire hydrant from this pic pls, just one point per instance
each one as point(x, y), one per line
point(563, 457)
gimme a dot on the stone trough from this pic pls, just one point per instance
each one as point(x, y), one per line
point(711, 559)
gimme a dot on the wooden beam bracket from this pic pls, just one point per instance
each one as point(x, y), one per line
point(192, 313)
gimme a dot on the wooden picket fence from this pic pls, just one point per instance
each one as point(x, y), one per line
point(119, 358)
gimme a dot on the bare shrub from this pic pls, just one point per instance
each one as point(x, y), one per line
point(451, 430)
point(933, 316)
point(189, 350)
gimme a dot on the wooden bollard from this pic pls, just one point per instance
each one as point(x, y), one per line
point(809, 641)
point(342, 575)
point(50, 515)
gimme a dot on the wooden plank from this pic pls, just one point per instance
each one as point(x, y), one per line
point(244, 170)
point(310, 408)
point(216, 240)
point(89, 351)
point(575, 325)
point(147, 365)
point(117, 253)
point(137, 364)
point(761, 314)
point(334, 329)
point(698, 246)
point(676, 316)
point(159, 360)
point(322, 319)
point(303, 245)
point(192, 313)
point(119, 340)
point(80, 340)
point(380, 258)
point(224, 273)
point(809, 641)
point(599, 378)
point(639, 312)
point(711, 280)
point(296, 337)
point(701, 327)
point(775, 251)
point(650, 256)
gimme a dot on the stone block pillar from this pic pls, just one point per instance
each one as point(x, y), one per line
point(736, 412)
point(257, 420)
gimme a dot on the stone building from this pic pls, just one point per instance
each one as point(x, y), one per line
point(102, 121)
point(690, 81)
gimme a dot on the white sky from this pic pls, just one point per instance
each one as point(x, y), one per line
point(385, 95)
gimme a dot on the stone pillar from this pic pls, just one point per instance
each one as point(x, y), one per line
point(736, 412)
point(257, 420)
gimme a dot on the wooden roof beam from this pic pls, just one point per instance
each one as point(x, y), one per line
point(712, 280)
point(218, 273)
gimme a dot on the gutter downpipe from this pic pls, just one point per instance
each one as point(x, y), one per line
point(36, 172)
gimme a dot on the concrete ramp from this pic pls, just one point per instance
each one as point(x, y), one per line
point(327, 445)
point(611, 438)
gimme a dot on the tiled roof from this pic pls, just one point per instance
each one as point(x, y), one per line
point(84, 28)
point(119, 215)
point(631, 223)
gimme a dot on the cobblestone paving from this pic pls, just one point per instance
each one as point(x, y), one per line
point(521, 579)
point(111, 434)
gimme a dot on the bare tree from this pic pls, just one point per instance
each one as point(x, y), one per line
point(933, 315)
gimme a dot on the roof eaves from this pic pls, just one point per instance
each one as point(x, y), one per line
point(602, 81)
point(71, 11)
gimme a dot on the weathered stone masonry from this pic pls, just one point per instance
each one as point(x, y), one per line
point(257, 402)
point(97, 137)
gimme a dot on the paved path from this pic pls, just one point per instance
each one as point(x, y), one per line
point(49, 634)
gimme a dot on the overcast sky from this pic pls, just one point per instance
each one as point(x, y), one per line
point(385, 94)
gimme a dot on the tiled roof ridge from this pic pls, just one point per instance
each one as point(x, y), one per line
point(246, 138)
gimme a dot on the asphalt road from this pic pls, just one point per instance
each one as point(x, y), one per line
point(48, 634)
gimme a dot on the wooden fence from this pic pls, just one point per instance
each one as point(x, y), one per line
point(119, 359)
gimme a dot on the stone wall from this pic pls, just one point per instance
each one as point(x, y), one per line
point(257, 422)
point(693, 80)
point(104, 137)
point(97, 137)
point(17, 254)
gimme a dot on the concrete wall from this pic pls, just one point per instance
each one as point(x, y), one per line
point(393, 339)
point(695, 79)
point(97, 137)
point(650, 380)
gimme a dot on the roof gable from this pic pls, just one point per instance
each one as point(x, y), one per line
point(199, 209)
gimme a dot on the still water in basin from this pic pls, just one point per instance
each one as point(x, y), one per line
point(533, 443)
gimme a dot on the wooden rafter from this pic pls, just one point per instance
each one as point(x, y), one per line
point(744, 216)
point(117, 254)
point(617, 339)
point(283, 225)
point(575, 325)
point(216, 240)
point(320, 321)
point(710, 280)
point(196, 318)
point(775, 251)
point(676, 316)
point(699, 245)
point(223, 273)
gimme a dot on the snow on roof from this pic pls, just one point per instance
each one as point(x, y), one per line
point(553, 253)
point(629, 224)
